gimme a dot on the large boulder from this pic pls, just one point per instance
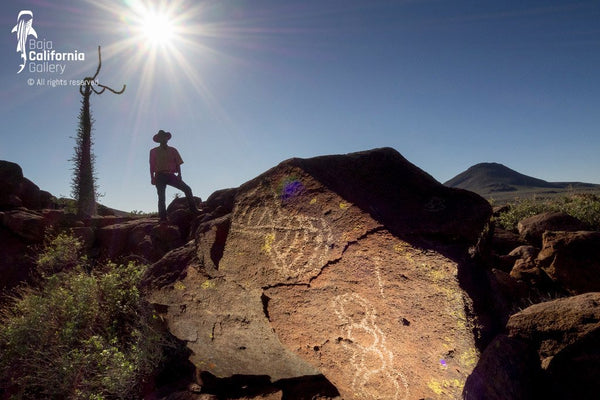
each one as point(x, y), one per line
point(336, 265)
point(16, 260)
point(221, 202)
point(572, 260)
point(556, 324)
point(504, 241)
point(531, 229)
point(508, 369)
point(30, 194)
point(22, 232)
point(575, 370)
point(566, 335)
point(179, 214)
point(27, 224)
point(11, 176)
point(144, 238)
point(18, 191)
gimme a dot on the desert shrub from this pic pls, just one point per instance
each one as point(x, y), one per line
point(585, 207)
point(519, 210)
point(61, 252)
point(79, 335)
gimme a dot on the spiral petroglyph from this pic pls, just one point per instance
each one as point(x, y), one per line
point(371, 359)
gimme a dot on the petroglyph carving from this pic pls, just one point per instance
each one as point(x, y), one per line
point(372, 361)
point(377, 269)
point(296, 244)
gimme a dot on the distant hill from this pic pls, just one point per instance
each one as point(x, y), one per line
point(493, 180)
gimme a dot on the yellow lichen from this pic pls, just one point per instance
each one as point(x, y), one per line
point(208, 284)
point(269, 239)
point(469, 358)
point(179, 286)
point(404, 249)
point(444, 385)
point(433, 273)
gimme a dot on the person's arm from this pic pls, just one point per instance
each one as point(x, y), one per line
point(152, 167)
point(178, 161)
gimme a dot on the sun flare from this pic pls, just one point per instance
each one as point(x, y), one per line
point(162, 46)
point(157, 28)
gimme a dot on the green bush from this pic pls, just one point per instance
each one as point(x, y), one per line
point(61, 253)
point(519, 210)
point(79, 335)
point(585, 207)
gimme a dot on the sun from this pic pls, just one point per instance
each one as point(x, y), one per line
point(157, 28)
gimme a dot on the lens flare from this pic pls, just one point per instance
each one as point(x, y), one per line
point(157, 28)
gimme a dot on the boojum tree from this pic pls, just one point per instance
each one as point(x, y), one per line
point(84, 181)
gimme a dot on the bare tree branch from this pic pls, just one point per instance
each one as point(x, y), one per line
point(111, 89)
point(99, 64)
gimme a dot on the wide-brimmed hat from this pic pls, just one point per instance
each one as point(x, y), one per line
point(162, 136)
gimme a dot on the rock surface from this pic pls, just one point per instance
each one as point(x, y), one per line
point(572, 260)
point(18, 191)
point(526, 268)
point(566, 335)
point(508, 369)
point(338, 266)
point(554, 325)
point(531, 229)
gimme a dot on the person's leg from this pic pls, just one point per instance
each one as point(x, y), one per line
point(161, 186)
point(181, 185)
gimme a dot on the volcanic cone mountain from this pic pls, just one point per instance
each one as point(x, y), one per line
point(497, 180)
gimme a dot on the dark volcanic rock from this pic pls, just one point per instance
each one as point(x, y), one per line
point(554, 325)
point(575, 370)
point(505, 241)
point(212, 237)
point(18, 191)
point(566, 336)
point(508, 369)
point(30, 194)
point(221, 202)
point(11, 176)
point(394, 191)
point(16, 260)
point(145, 238)
point(572, 260)
point(27, 224)
point(172, 267)
point(531, 229)
point(526, 268)
point(335, 265)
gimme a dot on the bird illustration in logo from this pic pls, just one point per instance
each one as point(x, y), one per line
point(23, 29)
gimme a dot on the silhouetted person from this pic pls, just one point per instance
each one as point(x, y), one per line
point(165, 169)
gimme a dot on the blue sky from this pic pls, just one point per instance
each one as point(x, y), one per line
point(243, 85)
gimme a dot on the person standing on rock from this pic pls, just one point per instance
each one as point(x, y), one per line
point(165, 169)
